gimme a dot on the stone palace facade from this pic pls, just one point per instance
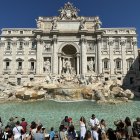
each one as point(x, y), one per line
point(68, 44)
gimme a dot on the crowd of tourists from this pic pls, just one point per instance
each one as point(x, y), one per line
point(93, 129)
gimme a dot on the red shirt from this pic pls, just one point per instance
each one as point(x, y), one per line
point(24, 125)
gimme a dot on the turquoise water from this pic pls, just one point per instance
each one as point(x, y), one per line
point(50, 113)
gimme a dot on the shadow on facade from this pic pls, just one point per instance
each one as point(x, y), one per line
point(132, 78)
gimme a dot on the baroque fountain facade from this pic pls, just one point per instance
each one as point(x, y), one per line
point(68, 57)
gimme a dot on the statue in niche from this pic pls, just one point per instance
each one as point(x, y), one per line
point(82, 23)
point(91, 65)
point(47, 47)
point(54, 23)
point(47, 66)
point(67, 66)
point(98, 23)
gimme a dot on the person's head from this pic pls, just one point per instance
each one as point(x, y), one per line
point(33, 125)
point(0, 119)
point(66, 118)
point(111, 135)
point(103, 122)
point(138, 119)
point(17, 123)
point(7, 128)
point(93, 116)
point(71, 128)
point(61, 128)
point(128, 123)
point(39, 128)
point(82, 119)
point(23, 119)
point(52, 128)
point(127, 119)
point(88, 135)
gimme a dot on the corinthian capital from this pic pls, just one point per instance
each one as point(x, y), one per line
point(122, 42)
point(110, 42)
point(134, 43)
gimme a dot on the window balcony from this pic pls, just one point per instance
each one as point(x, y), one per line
point(118, 70)
point(6, 71)
point(31, 71)
point(106, 70)
point(19, 71)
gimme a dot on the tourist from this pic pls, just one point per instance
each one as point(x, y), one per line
point(33, 128)
point(11, 123)
point(62, 133)
point(129, 130)
point(94, 121)
point(136, 126)
point(17, 131)
point(38, 135)
point(82, 128)
point(71, 133)
point(111, 134)
point(94, 132)
point(24, 125)
point(103, 129)
point(52, 134)
point(65, 122)
point(88, 135)
point(1, 124)
point(8, 133)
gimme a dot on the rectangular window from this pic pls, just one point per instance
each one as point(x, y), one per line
point(18, 81)
point(106, 78)
point(21, 32)
point(118, 64)
point(8, 45)
point(21, 46)
point(7, 65)
point(116, 45)
point(105, 64)
point(128, 45)
point(104, 44)
point(34, 45)
point(19, 65)
point(32, 66)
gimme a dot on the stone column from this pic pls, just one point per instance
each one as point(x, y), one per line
point(55, 56)
point(83, 55)
point(2, 45)
point(26, 62)
point(123, 49)
point(111, 66)
point(13, 66)
point(39, 61)
point(78, 61)
point(99, 45)
point(60, 65)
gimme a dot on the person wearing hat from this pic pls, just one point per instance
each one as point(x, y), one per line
point(94, 121)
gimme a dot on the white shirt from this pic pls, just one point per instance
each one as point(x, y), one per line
point(17, 131)
point(94, 122)
point(95, 135)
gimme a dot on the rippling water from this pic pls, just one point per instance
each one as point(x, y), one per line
point(50, 113)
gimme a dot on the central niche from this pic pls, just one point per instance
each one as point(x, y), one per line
point(69, 50)
point(68, 59)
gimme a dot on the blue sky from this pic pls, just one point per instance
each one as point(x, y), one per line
point(113, 13)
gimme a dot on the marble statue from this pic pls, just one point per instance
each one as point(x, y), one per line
point(98, 23)
point(47, 66)
point(54, 23)
point(82, 23)
point(91, 65)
